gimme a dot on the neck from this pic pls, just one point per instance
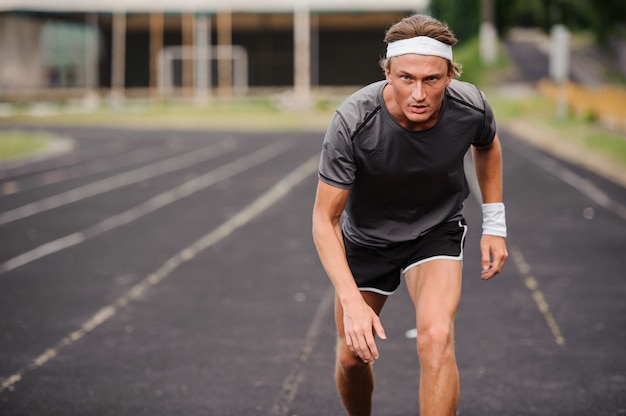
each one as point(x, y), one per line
point(398, 114)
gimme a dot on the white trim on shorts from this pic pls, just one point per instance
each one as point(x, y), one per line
point(459, 257)
point(417, 263)
point(376, 290)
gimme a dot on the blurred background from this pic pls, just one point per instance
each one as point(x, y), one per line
point(149, 139)
point(180, 61)
point(68, 48)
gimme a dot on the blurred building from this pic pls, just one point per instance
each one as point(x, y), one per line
point(163, 48)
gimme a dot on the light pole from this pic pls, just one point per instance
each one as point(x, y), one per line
point(488, 34)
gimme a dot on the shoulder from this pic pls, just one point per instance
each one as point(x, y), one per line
point(468, 95)
point(465, 99)
point(361, 106)
point(364, 98)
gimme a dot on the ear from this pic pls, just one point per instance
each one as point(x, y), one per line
point(388, 76)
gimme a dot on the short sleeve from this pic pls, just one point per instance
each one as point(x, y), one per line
point(488, 130)
point(337, 166)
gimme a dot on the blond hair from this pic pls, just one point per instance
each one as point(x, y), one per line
point(421, 25)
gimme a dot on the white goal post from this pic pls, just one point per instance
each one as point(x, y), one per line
point(203, 82)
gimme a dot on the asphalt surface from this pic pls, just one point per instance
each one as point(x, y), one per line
point(163, 272)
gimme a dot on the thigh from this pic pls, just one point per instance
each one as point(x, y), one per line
point(435, 288)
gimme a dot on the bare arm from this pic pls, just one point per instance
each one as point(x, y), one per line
point(329, 204)
point(360, 321)
point(488, 165)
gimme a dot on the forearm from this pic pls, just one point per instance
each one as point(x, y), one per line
point(359, 321)
point(488, 166)
point(329, 244)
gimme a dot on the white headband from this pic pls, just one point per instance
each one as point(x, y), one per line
point(421, 45)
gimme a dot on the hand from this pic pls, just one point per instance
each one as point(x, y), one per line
point(360, 325)
point(494, 254)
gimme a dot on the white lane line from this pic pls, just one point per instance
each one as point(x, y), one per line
point(188, 188)
point(296, 375)
point(577, 182)
point(90, 167)
point(118, 181)
point(269, 198)
point(531, 283)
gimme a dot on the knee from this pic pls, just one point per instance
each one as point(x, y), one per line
point(348, 362)
point(435, 344)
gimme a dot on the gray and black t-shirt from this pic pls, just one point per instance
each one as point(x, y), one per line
point(402, 182)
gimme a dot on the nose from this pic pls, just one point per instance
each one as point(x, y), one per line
point(418, 93)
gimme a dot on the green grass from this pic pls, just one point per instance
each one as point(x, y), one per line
point(610, 145)
point(508, 106)
point(249, 113)
point(15, 144)
point(592, 137)
point(474, 70)
point(577, 129)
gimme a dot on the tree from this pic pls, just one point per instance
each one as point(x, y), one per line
point(463, 17)
point(605, 19)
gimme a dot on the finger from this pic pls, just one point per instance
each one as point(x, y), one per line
point(357, 344)
point(502, 258)
point(365, 350)
point(499, 256)
point(485, 251)
point(350, 344)
point(488, 273)
point(379, 330)
point(372, 348)
point(498, 263)
point(495, 266)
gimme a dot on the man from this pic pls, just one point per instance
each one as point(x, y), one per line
point(389, 202)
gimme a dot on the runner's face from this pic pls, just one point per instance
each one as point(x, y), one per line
point(418, 84)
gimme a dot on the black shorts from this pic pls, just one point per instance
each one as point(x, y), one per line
point(379, 269)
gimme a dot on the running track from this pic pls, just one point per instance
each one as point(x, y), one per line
point(170, 272)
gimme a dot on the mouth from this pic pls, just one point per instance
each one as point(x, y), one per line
point(418, 109)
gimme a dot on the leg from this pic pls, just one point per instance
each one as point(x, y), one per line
point(435, 288)
point(354, 378)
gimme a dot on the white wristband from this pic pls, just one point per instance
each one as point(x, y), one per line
point(494, 221)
